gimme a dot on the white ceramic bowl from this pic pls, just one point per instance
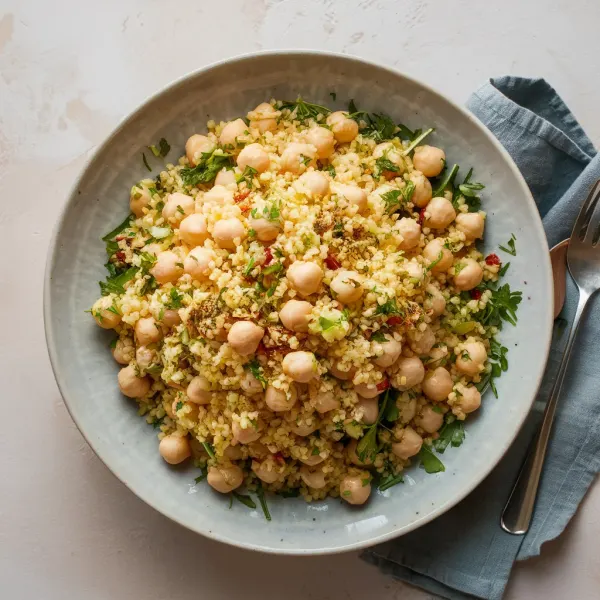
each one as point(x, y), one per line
point(86, 371)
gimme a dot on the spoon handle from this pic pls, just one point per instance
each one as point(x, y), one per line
point(518, 511)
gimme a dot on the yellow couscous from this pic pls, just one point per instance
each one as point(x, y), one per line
point(300, 304)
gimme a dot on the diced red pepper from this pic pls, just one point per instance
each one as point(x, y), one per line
point(262, 349)
point(120, 255)
point(332, 262)
point(268, 256)
point(492, 259)
point(383, 385)
point(237, 198)
point(421, 216)
point(475, 294)
point(119, 238)
point(394, 321)
point(279, 457)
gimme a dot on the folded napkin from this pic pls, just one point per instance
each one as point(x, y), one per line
point(465, 553)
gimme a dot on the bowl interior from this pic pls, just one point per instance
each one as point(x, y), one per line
point(87, 373)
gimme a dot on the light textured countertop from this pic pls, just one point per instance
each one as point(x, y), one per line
point(69, 71)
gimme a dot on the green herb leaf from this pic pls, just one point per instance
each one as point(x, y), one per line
point(175, 299)
point(502, 306)
point(417, 140)
point(302, 111)
point(111, 235)
point(378, 336)
point(330, 169)
point(390, 481)
point(263, 503)
point(115, 285)
point(274, 268)
point(446, 182)
point(162, 150)
point(255, 368)
point(245, 500)
point(249, 266)
point(367, 445)
point(202, 476)
point(391, 201)
point(452, 432)
point(385, 164)
point(145, 161)
point(511, 246)
point(429, 461)
point(207, 168)
point(209, 449)
point(435, 262)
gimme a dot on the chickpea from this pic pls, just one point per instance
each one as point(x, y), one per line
point(429, 160)
point(258, 450)
point(355, 489)
point(439, 213)
point(409, 443)
point(297, 157)
point(231, 132)
point(304, 429)
point(335, 370)
point(264, 117)
point(225, 478)
point(469, 398)
point(300, 366)
point(370, 409)
point(171, 318)
point(304, 277)
point(265, 230)
point(250, 385)
point(139, 199)
point(409, 372)
point(390, 349)
point(407, 408)
point(354, 195)
point(324, 401)
point(225, 177)
point(196, 146)
point(229, 233)
point(178, 206)
point(312, 460)
point(422, 192)
point(174, 449)
point(410, 231)
point(193, 230)
point(199, 390)
point(198, 263)
point(323, 140)
point(347, 287)
point(105, 313)
point(245, 435)
point(244, 337)
point(435, 301)
point(254, 156)
point(471, 359)
point(233, 453)
point(421, 342)
point(367, 390)
point(266, 470)
point(389, 151)
point(316, 183)
point(471, 224)
point(167, 267)
point(468, 274)
point(279, 400)
point(295, 315)
point(144, 357)
point(217, 196)
point(343, 128)
point(313, 478)
point(429, 420)
point(147, 331)
point(437, 385)
point(131, 385)
point(123, 351)
point(436, 252)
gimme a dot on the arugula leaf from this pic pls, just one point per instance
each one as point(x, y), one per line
point(445, 182)
point(207, 168)
point(111, 235)
point(452, 432)
point(391, 412)
point(254, 367)
point(511, 246)
point(468, 190)
point(245, 500)
point(417, 140)
point(429, 461)
point(263, 503)
point(115, 285)
point(162, 150)
point(367, 445)
point(209, 449)
point(202, 476)
point(498, 364)
point(302, 111)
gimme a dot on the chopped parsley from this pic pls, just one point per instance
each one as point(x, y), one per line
point(254, 367)
point(249, 267)
point(511, 246)
point(502, 306)
point(367, 445)
point(115, 285)
point(391, 200)
point(451, 433)
point(302, 111)
point(175, 299)
point(270, 212)
point(389, 308)
point(111, 235)
point(385, 164)
point(378, 336)
point(498, 364)
point(145, 161)
point(207, 168)
point(390, 481)
point(330, 169)
point(247, 176)
point(468, 190)
point(162, 150)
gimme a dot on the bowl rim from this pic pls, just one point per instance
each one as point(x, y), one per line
point(53, 248)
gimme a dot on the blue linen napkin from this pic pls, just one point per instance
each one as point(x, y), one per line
point(465, 553)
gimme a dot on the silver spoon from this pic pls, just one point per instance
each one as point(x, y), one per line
point(583, 259)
